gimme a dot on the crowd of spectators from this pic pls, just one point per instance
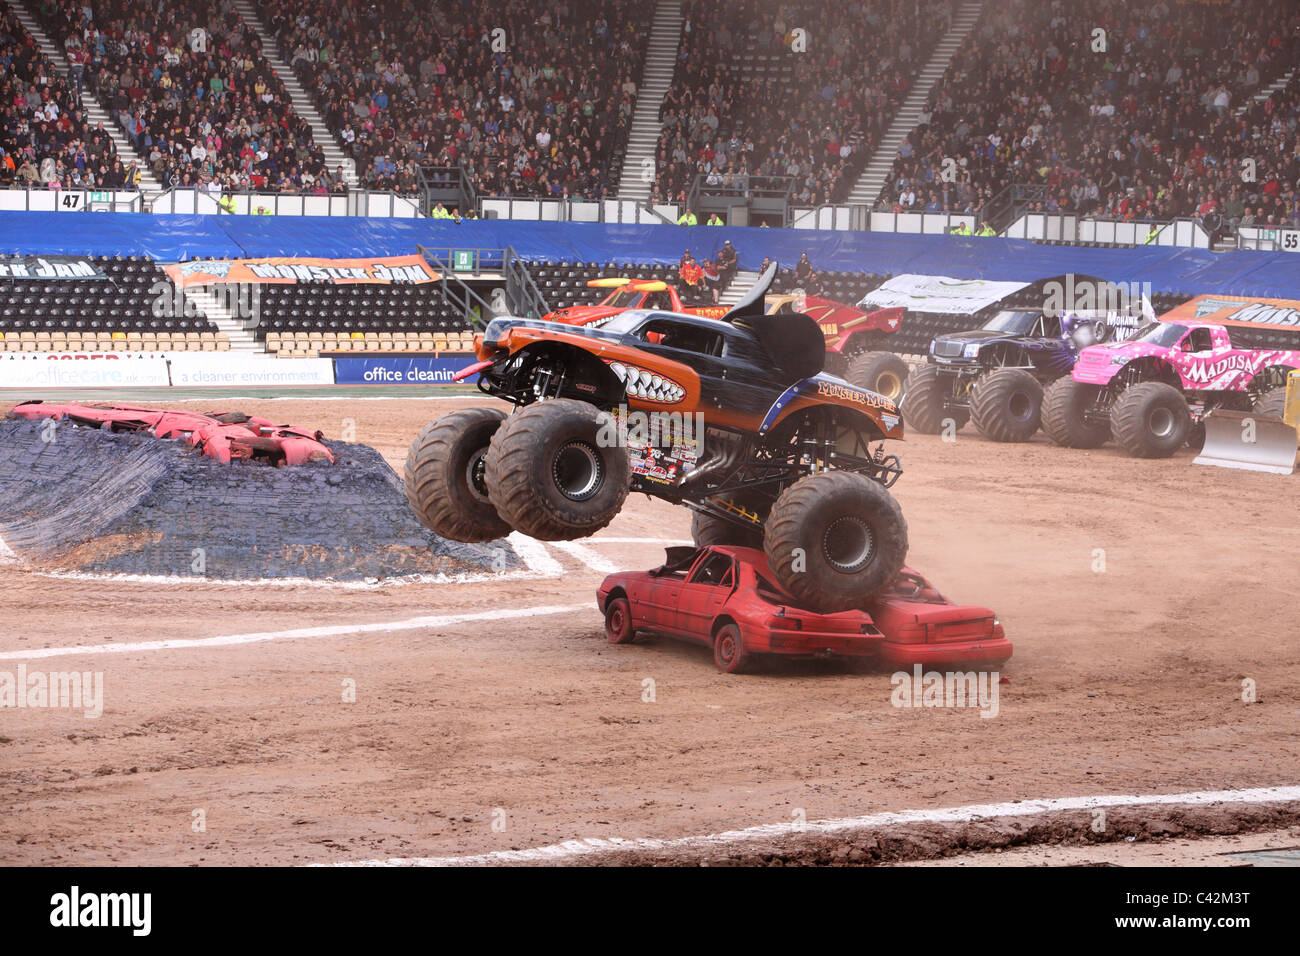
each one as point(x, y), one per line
point(799, 89)
point(1140, 120)
point(531, 99)
point(45, 141)
point(187, 81)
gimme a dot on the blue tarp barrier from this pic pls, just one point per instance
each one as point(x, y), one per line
point(172, 238)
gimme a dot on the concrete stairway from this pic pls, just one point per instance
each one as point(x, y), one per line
point(1266, 92)
point(661, 57)
point(741, 283)
point(218, 312)
point(867, 189)
point(95, 112)
point(302, 104)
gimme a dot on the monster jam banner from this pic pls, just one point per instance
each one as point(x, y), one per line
point(49, 267)
point(281, 270)
point(400, 370)
point(1240, 310)
point(938, 294)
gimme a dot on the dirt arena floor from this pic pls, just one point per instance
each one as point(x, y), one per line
point(1140, 595)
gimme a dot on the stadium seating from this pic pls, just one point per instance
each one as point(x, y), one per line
point(44, 137)
point(126, 312)
point(746, 104)
point(1140, 121)
point(191, 87)
point(404, 83)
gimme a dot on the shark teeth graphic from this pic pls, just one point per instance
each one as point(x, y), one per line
point(647, 385)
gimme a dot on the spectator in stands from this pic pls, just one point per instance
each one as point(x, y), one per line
point(1145, 130)
point(42, 126)
point(727, 262)
point(191, 89)
point(426, 85)
point(737, 120)
point(803, 271)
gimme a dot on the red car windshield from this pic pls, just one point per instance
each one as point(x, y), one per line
point(624, 299)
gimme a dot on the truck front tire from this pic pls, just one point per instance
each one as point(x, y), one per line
point(923, 400)
point(1150, 420)
point(549, 474)
point(1006, 405)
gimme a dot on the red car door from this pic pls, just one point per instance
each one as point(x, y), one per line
point(665, 592)
point(703, 595)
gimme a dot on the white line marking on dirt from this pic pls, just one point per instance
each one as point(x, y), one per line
point(589, 846)
point(7, 555)
point(587, 556)
point(685, 541)
point(193, 580)
point(534, 554)
point(230, 640)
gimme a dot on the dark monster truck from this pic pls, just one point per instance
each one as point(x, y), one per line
point(995, 375)
point(765, 448)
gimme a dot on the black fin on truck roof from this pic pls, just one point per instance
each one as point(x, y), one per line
point(793, 341)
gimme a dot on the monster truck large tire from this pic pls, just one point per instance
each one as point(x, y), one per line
point(1150, 420)
point(549, 474)
point(1272, 403)
point(923, 398)
point(1006, 405)
point(444, 476)
point(1064, 404)
point(880, 372)
point(835, 539)
point(707, 529)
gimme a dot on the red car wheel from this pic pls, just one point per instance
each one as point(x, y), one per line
point(729, 650)
point(618, 621)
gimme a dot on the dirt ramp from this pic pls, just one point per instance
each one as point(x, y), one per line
point(82, 499)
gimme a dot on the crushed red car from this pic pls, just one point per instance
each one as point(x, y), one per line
point(225, 436)
point(726, 597)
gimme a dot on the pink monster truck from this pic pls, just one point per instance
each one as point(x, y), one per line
point(1150, 391)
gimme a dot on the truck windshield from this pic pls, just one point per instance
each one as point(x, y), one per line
point(1017, 323)
point(1159, 333)
point(625, 298)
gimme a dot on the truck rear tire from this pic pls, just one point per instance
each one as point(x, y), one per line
point(444, 476)
point(550, 476)
point(881, 372)
point(708, 529)
point(923, 398)
point(1064, 404)
point(1272, 403)
point(1150, 420)
point(1006, 405)
point(835, 539)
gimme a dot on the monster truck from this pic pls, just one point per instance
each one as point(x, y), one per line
point(853, 337)
point(1151, 392)
point(766, 449)
point(994, 375)
point(630, 294)
point(854, 340)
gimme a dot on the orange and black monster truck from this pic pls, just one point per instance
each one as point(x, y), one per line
point(733, 418)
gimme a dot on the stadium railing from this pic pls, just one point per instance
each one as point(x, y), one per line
point(32, 199)
point(1269, 238)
